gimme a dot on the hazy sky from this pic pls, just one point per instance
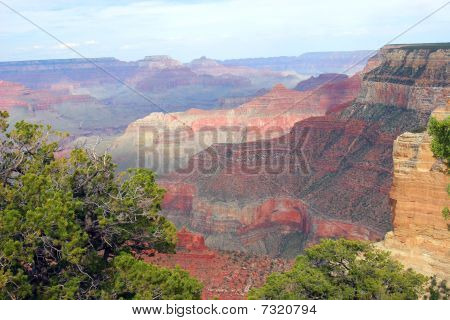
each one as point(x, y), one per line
point(220, 29)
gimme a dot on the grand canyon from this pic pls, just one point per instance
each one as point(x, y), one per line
point(335, 182)
point(266, 156)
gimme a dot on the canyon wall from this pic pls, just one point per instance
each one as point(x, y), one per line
point(330, 176)
point(15, 95)
point(310, 63)
point(421, 237)
point(92, 98)
point(410, 76)
point(153, 74)
point(100, 97)
point(178, 136)
point(315, 82)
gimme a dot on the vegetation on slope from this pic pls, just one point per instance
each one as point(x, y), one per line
point(69, 225)
point(343, 269)
point(440, 145)
point(440, 132)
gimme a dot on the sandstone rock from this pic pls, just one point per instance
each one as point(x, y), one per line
point(411, 77)
point(189, 241)
point(420, 238)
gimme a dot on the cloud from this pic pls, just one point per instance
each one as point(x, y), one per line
point(220, 29)
point(126, 47)
point(66, 45)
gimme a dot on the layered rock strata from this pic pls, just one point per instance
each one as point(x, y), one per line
point(335, 173)
point(178, 136)
point(421, 237)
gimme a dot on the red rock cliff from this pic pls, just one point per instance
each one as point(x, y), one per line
point(420, 238)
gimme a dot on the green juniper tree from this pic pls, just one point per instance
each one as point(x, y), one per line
point(342, 269)
point(440, 146)
point(69, 225)
point(440, 132)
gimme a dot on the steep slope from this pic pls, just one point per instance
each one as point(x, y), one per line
point(420, 238)
point(329, 177)
point(315, 82)
point(225, 275)
point(270, 115)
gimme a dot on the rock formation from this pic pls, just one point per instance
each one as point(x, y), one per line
point(268, 116)
point(421, 237)
point(11, 95)
point(159, 73)
point(225, 275)
point(99, 97)
point(212, 67)
point(39, 74)
point(329, 177)
point(315, 82)
point(410, 76)
point(15, 95)
point(151, 74)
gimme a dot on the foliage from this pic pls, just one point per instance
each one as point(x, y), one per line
point(446, 213)
point(438, 291)
point(440, 132)
point(342, 269)
point(65, 223)
point(440, 145)
point(138, 280)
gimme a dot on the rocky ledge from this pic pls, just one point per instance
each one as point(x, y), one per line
point(420, 238)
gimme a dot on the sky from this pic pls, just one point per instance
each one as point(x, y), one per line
point(220, 29)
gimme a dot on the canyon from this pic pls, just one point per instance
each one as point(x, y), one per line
point(263, 157)
point(183, 134)
point(99, 97)
point(330, 176)
point(170, 83)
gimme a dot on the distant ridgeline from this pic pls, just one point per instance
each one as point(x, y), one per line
point(310, 63)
